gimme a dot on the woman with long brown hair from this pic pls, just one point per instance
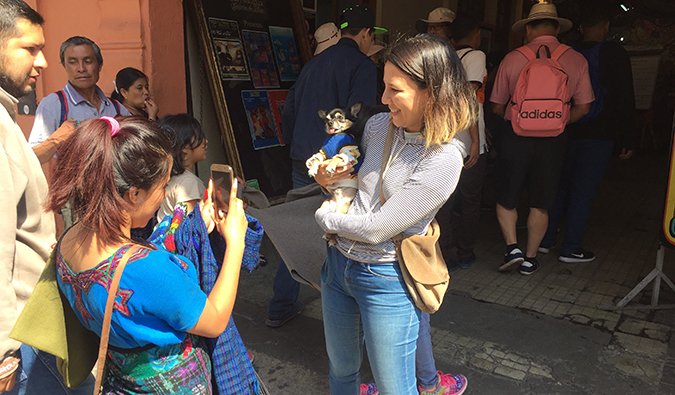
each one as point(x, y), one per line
point(114, 172)
point(363, 293)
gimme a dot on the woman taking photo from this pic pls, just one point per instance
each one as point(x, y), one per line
point(133, 91)
point(363, 293)
point(154, 343)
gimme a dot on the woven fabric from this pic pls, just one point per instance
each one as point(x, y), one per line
point(188, 236)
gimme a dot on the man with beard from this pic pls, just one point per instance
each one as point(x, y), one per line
point(27, 233)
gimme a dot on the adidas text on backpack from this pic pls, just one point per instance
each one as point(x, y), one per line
point(541, 100)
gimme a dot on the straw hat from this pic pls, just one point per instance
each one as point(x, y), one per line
point(325, 36)
point(438, 15)
point(374, 49)
point(542, 11)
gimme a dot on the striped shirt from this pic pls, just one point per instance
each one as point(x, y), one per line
point(416, 185)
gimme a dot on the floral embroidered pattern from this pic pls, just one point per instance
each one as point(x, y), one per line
point(101, 274)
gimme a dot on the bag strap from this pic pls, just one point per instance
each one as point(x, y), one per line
point(465, 53)
point(527, 52)
point(562, 48)
point(385, 162)
point(105, 330)
point(116, 104)
point(385, 156)
point(63, 100)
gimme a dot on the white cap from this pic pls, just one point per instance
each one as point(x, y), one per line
point(326, 35)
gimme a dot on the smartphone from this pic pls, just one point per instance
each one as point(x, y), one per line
point(222, 176)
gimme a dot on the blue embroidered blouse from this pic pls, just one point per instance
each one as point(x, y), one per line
point(159, 297)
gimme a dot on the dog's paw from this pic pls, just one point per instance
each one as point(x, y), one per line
point(313, 170)
point(332, 166)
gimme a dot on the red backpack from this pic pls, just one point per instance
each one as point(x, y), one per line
point(541, 101)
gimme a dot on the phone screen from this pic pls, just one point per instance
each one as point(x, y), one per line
point(222, 178)
point(223, 181)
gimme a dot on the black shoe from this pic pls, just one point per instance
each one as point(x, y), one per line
point(578, 256)
point(529, 266)
point(298, 306)
point(511, 259)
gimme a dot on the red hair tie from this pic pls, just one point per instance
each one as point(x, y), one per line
point(114, 125)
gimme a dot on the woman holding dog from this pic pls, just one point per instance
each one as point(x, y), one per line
point(363, 293)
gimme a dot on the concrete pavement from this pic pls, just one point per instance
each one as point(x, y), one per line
point(513, 334)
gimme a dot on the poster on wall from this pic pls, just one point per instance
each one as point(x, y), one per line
point(264, 130)
point(277, 101)
point(260, 58)
point(285, 52)
point(228, 49)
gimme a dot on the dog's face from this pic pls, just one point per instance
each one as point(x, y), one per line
point(338, 119)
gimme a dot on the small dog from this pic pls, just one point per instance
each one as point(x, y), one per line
point(341, 147)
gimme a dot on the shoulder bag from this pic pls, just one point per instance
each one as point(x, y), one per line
point(422, 266)
point(48, 323)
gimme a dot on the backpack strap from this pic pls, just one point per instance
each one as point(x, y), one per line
point(527, 52)
point(64, 106)
point(116, 104)
point(559, 51)
point(465, 53)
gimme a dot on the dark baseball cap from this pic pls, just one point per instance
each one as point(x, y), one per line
point(358, 16)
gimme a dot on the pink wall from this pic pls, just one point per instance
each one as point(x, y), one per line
point(144, 34)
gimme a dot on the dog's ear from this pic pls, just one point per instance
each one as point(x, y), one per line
point(322, 114)
point(355, 109)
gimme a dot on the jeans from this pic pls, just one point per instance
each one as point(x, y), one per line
point(424, 357)
point(370, 302)
point(468, 196)
point(584, 166)
point(286, 289)
point(37, 374)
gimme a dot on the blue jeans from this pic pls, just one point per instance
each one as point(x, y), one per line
point(584, 166)
point(424, 357)
point(370, 302)
point(38, 374)
point(286, 289)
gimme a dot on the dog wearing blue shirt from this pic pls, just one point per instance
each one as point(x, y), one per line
point(340, 148)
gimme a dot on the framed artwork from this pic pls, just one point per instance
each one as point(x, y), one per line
point(260, 116)
point(285, 52)
point(228, 49)
point(260, 58)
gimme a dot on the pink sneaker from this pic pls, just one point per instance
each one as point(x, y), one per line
point(369, 389)
point(448, 384)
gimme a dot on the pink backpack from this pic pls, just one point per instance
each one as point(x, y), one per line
point(541, 101)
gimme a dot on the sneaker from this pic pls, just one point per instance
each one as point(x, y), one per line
point(578, 256)
point(529, 266)
point(448, 384)
point(545, 248)
point(368, 389)
point(298, 306)
point(453, 264)
point(512, 259)
point(466, 263)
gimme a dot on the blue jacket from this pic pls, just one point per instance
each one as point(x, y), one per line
point(339, 76)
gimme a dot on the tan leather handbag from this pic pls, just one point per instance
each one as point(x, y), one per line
point(422, 265)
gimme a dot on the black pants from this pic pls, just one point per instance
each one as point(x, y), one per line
point(466, 200)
